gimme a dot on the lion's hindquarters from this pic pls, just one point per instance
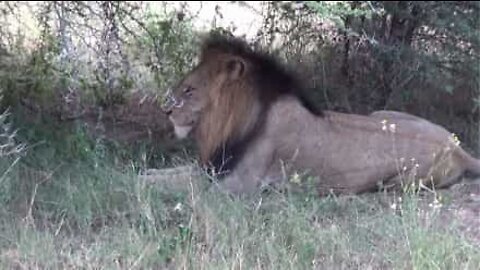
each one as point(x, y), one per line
point(472, 164)
point(399, 151)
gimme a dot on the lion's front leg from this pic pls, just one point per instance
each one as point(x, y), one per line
point(236, 184)
point(253, 171)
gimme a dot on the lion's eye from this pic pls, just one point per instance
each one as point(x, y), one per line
point(188, 90)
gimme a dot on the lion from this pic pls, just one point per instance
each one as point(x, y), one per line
point(254, 127)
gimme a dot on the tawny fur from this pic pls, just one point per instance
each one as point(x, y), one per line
point(344, 153)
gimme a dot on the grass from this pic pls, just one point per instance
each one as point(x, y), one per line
point(92, 213)
point(105, 218)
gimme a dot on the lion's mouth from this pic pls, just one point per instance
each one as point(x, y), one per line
point(182, 132)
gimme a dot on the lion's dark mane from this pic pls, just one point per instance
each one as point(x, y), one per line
point(272, 79)
point(271, 76)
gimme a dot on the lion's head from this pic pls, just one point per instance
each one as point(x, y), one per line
point(224, 99)
point(187, 101)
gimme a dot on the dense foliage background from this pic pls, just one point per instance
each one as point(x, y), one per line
point(93, 62)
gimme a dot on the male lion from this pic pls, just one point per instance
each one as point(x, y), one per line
point(253, 126)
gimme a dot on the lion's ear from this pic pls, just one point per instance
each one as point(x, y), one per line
point(236, 67)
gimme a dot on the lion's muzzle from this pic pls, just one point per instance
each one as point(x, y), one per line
point(182, 132)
